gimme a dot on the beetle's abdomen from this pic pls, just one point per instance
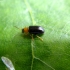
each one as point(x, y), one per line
point(36, 30)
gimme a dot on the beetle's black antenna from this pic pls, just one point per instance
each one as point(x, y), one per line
point(39, 38)
point(17, 27)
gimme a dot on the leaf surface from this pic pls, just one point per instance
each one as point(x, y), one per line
point(27, 54)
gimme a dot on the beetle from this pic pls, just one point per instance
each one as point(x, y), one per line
point(34, 30)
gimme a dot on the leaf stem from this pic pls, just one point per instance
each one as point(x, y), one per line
point(30, 12)
point(32, 44)
point(32, 53)
point(44, 63)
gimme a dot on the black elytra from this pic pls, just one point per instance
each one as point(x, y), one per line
point(36, 30)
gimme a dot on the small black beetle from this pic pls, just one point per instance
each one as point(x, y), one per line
point(35, 30)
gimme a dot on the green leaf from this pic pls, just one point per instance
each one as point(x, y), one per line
point(27, 54)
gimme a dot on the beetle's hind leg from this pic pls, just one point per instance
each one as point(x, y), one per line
point(39, 37)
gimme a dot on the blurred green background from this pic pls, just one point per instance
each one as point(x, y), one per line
point(53, 16)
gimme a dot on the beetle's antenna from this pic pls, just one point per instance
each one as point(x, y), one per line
point(17, 27)
point(39, 38)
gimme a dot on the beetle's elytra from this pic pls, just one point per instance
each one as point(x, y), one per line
point(35, 30)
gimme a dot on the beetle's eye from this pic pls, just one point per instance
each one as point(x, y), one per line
point(22, 30)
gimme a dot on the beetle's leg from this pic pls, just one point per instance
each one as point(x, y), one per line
point(25, 33)
point(39, 38)
point(32, 36)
